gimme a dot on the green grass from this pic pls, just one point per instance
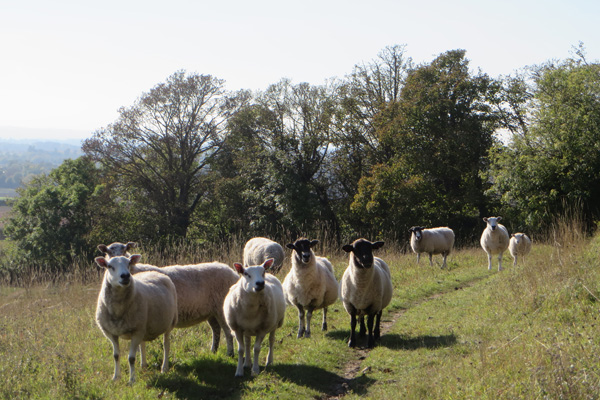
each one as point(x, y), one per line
point(464, 333)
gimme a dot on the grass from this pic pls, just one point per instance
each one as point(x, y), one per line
point(464, 333)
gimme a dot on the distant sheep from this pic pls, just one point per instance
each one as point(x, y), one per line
point(365, 288)
point(310, 285)
point(254, 306)
point(117, 249)
point(201, 290)
point(494, 240)
point(139, 308)
point(519, 245)
point(259, 249)
point(432, 241)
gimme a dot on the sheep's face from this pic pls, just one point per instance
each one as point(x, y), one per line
point(117, 269)
point(492, 222)
point(253, 278)
point(116, 249)
point(417, 231)
point(518, 237)
point(302, 247)
point(362, 251)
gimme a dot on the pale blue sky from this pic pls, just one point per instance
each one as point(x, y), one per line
point(67, 66)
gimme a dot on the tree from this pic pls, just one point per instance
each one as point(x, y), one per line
point(162, 146)
point(51, 219)
point(437, 136)
point(556, 166)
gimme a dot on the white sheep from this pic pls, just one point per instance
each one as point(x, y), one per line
point(254, 306)
point(432, 241)
point(117, 249)
point(259, 249)
point(139, 308)
point(494, 240)
point(201, 290)
point(365, 288)
point(519, 245)
point(310, 284)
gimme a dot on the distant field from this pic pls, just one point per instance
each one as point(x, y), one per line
point(5, 192)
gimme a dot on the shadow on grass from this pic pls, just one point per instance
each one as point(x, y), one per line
point(398, 342)
point(211, 378)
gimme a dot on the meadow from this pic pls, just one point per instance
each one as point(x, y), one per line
point(528, 331)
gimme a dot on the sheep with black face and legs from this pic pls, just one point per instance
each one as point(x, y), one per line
point(432, 241)
point(139, 308)
point(365, 288)
point(310, 285)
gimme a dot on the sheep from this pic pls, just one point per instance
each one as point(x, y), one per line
point(365, 288)
point(254, 306)
point(259, 249)
point(519, 245)
point(139, 308)
point(432, 241)
point(310, 284)
point(201, 289)
point(116, 249)
point(494, 240)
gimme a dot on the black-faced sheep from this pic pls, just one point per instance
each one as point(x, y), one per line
point(259, 249)
point(310, 285)
point(494, 240)
point(254, 306)
point(519, 245)
point(139, 308)
point(366, 288)
point(432, 241)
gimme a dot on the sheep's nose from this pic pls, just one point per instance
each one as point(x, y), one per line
point(260, 285)
point(305, 257)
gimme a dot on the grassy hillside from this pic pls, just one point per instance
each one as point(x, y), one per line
point(526, 332)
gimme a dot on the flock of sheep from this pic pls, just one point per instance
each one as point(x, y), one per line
point(140, 302)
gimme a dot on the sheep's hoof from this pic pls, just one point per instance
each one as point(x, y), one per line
point(255, 372)
point(324, 327)
point(351, 343)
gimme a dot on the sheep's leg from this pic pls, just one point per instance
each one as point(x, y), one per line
point(143, 362)
point(216, 334)
point(370, 339)
point(431, 259)
point(227, 331)
point(444, 265)
point(352, 341)
point(166, 350)
point(500, 262)
point(418, 257)
point(248, 358)
point(363, 330)
point(115, 342)
point(515, 261)
point(324, 326)
point(271, 344)
point(376, 331)
point(257, 344)
point(308, 319)
point(489, 261)
point(300, 321)
point(135, 343)
point(240, 367)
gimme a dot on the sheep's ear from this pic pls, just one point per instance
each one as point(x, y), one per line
point(411, 229)
point(377, 245)
point(485, 219)
point(103, 248)
point(134, 259)
point(101, 261)
point(239, 268)
point(513, 235)
point(498, 218)
point(347, 248)
point(290, 246)
point(267, 264)
point(314, 243)
point(130, 245)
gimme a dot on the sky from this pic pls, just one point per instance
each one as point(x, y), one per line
point(66, 67)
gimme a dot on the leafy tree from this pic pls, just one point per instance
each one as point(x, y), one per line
point(437, 136)
point(556, 165)
point(161, 148)
point(51, 218)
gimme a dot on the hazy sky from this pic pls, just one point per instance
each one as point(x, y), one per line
point(67, 66)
